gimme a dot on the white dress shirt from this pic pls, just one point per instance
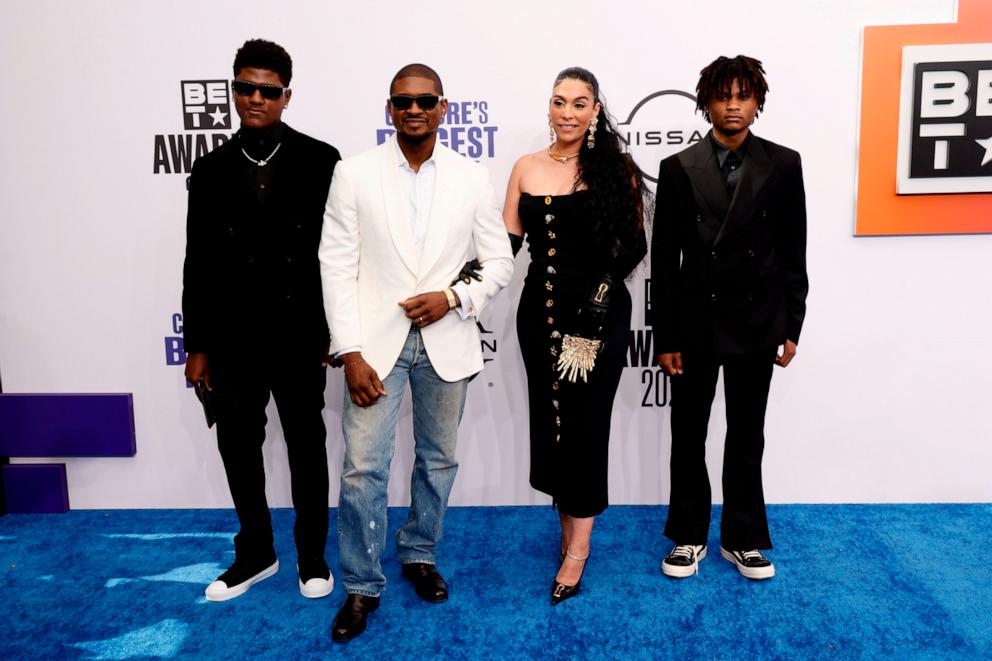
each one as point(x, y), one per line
point(418, 188)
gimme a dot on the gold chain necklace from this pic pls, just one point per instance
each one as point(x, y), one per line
point(561, 158)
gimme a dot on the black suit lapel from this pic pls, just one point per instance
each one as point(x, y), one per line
point(285, 174)
point(757, 169)
point(235, 192)
point(699, 163)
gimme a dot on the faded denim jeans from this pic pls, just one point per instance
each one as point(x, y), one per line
point(369, 442)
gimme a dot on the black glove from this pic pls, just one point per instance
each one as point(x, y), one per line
point(592, 314)
point(580, 348)
point(516, 243)
point(472, 269)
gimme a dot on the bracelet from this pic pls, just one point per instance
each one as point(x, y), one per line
point(450, 295)
point(354, 362)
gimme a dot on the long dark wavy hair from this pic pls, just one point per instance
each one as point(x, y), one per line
point(618, 199)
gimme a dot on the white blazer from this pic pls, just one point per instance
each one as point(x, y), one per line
point(368, 262)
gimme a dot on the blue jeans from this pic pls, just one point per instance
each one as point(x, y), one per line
point(369, 442)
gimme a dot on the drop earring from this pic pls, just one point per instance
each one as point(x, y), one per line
point(591, 139)
point(551, 130)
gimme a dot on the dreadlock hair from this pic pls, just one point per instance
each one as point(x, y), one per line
point(617, 193)
point(262, 54)
point(719, 76)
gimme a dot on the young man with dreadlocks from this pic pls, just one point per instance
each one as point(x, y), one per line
point(729, 290)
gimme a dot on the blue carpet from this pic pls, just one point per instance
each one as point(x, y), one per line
point(854, 582)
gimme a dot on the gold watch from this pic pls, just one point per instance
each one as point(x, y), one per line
point(449, 293)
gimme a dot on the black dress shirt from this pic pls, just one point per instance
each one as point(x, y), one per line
point(731, 161)
point(261, 146)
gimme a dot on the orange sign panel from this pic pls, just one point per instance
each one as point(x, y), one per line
point(925, 158)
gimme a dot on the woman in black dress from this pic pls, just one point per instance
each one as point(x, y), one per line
point(580, 205)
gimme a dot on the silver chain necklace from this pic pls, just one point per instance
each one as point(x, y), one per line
point(264, 161)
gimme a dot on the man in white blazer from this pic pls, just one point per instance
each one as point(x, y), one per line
point(401, 220)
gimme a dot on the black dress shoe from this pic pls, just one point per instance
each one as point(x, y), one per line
point(427, 581)
point(352, 618)
point(559, 591)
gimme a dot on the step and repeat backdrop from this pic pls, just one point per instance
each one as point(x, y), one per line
point(107, 104)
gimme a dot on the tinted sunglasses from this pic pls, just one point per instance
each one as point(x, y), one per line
point(424, 101)
point(270, 92)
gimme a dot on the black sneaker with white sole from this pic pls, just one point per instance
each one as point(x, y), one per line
point(239, 577)
point(751, 564)
point(316, 580)
point(683, 561)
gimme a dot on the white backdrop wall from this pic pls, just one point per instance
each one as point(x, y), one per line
point(884, 403)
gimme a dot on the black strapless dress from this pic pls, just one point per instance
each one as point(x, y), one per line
point(569, 422)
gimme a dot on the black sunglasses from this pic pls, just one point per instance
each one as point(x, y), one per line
point(270, 92)
point(424, 101)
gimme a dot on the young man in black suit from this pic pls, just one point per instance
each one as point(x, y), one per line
point(254, 317)
point(729, 290)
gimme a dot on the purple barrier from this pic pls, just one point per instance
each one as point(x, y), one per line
point(3, 504)
point(89, 425)
point(35, 488)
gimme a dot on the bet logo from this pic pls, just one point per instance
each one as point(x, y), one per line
point(206, 105)
point(945, 119)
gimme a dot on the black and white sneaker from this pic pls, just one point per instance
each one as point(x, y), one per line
point(316, 580)
point(750, 564)
point(683, 561)
point(238, 578)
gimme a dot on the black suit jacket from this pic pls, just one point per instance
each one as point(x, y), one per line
point(251, 277)
point(729, 276)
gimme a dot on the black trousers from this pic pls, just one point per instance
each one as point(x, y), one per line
point(746, 379)
point(241, 391)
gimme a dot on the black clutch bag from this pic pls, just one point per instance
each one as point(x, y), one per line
point(206, 400)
